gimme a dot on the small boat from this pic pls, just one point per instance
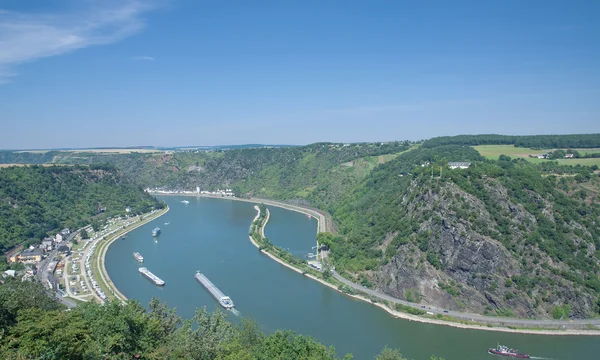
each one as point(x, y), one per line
point(185, 202)
point(167, 223)
point(138, 256)
point(506, 351)
point(156, 231)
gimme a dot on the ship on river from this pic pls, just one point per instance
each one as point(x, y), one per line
point(156, 231)
point(138, 256)
point(155, 279)
point(505, 351)
point(225, 301)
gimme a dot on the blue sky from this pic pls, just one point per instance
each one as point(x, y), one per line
point(89, 73)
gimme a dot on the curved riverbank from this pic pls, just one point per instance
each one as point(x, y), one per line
point(402, 315)
point(527, 327)
point(100, 254)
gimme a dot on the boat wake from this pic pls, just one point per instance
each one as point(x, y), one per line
point(234, 311)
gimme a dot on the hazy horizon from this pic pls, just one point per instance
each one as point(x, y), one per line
point(167, 72)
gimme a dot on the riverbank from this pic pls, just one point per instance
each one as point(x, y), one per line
point(524, 328)
point(323, 221)
point(261, 230)
point(100, 253)
point(403, 315)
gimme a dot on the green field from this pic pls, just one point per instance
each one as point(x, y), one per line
point(494, 151)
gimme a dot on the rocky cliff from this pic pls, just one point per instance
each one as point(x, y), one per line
point(482, 240)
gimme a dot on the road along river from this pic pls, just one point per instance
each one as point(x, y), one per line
point(211, 235)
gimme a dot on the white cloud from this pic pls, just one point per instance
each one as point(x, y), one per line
point(143, 58)
point(26, 37)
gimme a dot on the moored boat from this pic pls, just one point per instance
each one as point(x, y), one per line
point(156, 231)
point(138, 256)
point(506, 351)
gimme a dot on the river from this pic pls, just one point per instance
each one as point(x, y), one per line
point(211, 235)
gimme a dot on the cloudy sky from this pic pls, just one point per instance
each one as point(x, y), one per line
point(91, 73)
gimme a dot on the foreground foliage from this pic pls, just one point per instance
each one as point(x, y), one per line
point(44, 330)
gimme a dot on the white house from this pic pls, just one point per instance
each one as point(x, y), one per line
point(58, 238)
point(459, 165)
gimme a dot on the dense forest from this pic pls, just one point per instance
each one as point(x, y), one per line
point(35, 326)
point(37, 201)
point(529, 141)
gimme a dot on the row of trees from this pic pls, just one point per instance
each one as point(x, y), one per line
point(530, 141)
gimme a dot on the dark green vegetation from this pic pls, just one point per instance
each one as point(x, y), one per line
point(35, 326)
point(530, 141)
point(38, 201)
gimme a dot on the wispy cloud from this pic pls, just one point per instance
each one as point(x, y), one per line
point(143, 58)
point(26, 37)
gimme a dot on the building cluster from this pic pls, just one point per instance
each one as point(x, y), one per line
point(35, 253)
point(198, 191)
point(459, 165)
point(25, 274)
point(549, 156)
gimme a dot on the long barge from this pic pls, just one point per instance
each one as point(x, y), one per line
point(155, 279)
point(223, 300)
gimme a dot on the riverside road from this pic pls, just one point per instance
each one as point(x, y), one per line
point(467, 316)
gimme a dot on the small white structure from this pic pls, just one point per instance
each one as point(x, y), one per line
point(459, 165)
point(58, 238)
point(568, 156)
point(10, 273)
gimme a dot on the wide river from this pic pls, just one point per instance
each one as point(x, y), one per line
point(211, 235)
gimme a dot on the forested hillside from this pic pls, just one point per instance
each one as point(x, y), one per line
point(36, 201)
point(503, 237)
point(529, 141)
point(272, 172)
point(35, 326)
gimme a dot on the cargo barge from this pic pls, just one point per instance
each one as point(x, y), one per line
point(155, 279)
point(225, 301)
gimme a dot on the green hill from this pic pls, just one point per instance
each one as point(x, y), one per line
point(37, 201)
point(501, 237)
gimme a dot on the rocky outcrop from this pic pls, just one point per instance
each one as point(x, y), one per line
point(458, 260)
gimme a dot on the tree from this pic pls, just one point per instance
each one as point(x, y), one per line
point(84, 234)
point(390, 354)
